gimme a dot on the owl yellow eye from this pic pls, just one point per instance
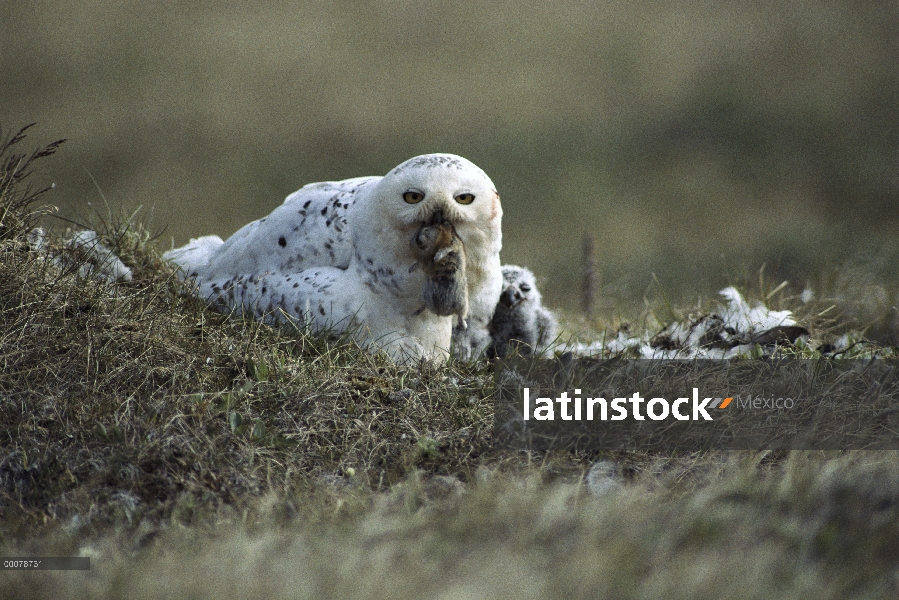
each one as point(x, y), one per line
point(465, 198)
point(413, 197)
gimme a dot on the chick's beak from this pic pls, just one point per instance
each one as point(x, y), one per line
point(510, 297)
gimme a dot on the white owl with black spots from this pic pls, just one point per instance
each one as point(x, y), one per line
point(339, 255)
point(520, 319)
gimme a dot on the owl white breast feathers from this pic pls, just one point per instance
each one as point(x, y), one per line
point(338, 254)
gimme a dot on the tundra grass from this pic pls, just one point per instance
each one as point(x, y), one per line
point(196, 454)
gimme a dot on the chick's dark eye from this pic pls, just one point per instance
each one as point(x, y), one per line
point(413, 197)
point(465, 198)
point(524, 287)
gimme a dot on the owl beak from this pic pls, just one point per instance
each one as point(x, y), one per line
point(437, 217)
point(510, 297)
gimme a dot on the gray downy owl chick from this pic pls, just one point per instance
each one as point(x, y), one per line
point(520, 320)
point(442, 255)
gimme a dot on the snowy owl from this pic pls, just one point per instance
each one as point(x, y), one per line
point(341, 252)
point(520, 319)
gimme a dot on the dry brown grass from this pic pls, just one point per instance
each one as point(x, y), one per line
point(191, 453)
point(801, 525)
point(139, 386)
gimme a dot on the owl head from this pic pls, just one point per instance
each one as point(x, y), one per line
point(423, 185)
point(519, 286)
point(413, 192)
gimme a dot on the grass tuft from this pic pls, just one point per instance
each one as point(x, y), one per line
point(17, 195)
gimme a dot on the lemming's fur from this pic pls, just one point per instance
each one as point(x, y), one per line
point(442, 255)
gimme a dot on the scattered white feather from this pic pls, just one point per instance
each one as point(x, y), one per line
point(738, 315)
point(602, 478)
point(98, 260)
point(730, 333)
point(85, 250)
point(37, 239)
point(623, 342)
point(842, 343)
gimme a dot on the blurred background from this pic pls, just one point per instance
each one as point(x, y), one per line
point(696, 141)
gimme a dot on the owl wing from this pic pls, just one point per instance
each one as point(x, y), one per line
point(324, 297)
point(308, 230)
